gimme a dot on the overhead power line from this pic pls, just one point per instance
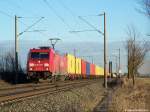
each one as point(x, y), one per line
point(80, 31)
point(65, 7)
point(68, 10)
point(91, 25)
point(31, 26)
point(6, 14)
point(15, 5)
point(55, 12)
point(73, 14)
point(29, 17)
point(38, 31)
point(12, 17)
point(60, 17)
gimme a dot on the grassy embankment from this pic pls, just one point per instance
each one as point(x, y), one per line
point(135, 98)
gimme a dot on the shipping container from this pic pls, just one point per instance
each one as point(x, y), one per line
point(92, 69)
point(57, 58)
point(101, 71)
point(51, 61)
point(70, 64)
point(63, 65)
point(97, 69)
point(87, 69)
point(83, 68)
point(78, 66)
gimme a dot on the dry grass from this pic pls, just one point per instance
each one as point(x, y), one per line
point(82, 99)
point(128, 97)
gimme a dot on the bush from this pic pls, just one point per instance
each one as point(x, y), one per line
point(8, 71)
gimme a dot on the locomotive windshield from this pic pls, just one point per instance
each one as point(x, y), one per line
point(39, 55)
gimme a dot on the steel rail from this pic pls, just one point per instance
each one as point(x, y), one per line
point(21, 95)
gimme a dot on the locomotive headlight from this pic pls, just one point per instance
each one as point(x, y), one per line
point(31, 64)
point(46, 64)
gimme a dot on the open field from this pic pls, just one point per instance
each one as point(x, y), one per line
point(129, 98)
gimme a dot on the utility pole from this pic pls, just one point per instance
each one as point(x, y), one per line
point(16, 44)
point(119, 65)
point(16, 50)
point(110, 68)
point(105, 49)
point(105, 55)
point(116, 65)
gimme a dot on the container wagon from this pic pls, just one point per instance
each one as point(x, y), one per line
point(78, 68)
point(92, 70)
point(83, 68)
point(87, 69)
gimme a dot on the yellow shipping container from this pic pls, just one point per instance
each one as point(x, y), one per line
point(78, 66)
point(96, 70)
point(70, 64)
point(101, 71)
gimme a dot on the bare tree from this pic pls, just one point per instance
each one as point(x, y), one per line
point(136, 52)
point(2, 64)
point(9, 62)
point(145, 7)
point(7, 67)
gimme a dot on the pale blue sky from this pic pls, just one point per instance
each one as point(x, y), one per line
point(120, 13)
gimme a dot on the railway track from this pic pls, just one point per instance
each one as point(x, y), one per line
point(19, 93)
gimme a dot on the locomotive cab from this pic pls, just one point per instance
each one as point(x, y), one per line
point(40, 63)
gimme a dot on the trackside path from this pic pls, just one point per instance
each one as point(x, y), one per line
point(106, 103)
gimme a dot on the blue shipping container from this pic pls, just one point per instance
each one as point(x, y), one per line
point(87, 68)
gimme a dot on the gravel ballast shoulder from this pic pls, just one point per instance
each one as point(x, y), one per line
point(80, 99)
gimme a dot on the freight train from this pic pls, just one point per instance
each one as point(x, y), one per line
point(45, 62)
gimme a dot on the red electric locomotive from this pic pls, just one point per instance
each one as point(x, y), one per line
point(44, 62)
point(40, 62)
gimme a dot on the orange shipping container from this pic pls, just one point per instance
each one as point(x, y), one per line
point(92, 69)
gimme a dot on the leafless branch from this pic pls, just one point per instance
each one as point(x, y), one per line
point(136, 52)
